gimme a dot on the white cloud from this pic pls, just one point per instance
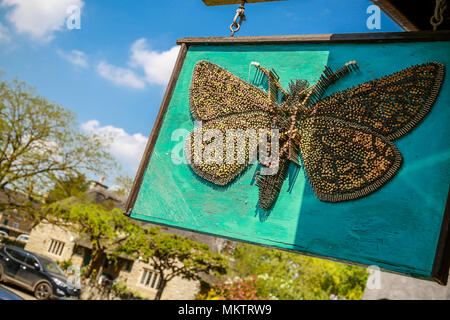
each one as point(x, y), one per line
point(156, 67)
point(128, 148)
point(120, 76)
point(39, 18)
point(75, 57)
point(4, 33)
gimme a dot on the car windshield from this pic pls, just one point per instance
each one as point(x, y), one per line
point(52, 267)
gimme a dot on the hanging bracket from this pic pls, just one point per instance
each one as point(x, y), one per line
point(240, 14)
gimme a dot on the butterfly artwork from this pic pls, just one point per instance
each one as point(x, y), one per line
point(345, 142)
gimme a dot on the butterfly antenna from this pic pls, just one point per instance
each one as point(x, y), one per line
point(270, 79)
point(260, 77)
point(311, 95)
point(258, 72)
point(327, 78)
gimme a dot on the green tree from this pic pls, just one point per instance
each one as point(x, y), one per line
point(237, 289)
point(68, 186)
point(40, 142)
point(174, 256)
point(108, 231)
point(323, 278)
point(123, 185)
point(290, 276)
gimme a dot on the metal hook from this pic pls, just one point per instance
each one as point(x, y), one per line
point(240, 14)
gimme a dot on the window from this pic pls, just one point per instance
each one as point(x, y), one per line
point(107, 262)
point(128, 266)
point(56, 247)
point(79, 251)
point(16, 254)
point(51, 266)
point(31, 261)
point(150, 279)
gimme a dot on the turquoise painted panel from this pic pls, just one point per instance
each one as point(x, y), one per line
point(395, 228)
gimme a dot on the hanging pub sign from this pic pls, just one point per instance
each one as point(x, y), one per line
point(334, 146)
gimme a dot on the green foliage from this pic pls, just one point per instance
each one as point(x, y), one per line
point(324, 278)
point(104, 229)
point(165, 251)
point(83, 271)
point(110, 232)
point(92, 276)
point(238, 289)
point(121, 290)
point(68, 186)
point(40, 143)
point(124, 184)
point(172, 248)
point(174, 256)
point(66, 264)
point(289, 276)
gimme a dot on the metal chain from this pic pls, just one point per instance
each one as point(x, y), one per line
point(240, 14)
point(438, 16)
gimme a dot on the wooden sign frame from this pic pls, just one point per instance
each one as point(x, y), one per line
point(210, 3)
point(441, 264)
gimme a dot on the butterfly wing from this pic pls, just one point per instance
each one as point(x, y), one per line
point(391, 106)
point(344, 160)
point(215, 93)
point(210, 151)
point(270, 185)
point(223, 102)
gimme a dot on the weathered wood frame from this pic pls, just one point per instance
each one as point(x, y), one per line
point(441, 264)
point(396, 15)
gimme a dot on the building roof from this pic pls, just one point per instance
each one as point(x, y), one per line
point(13, 197)
point(14, 213)
point(99, 193)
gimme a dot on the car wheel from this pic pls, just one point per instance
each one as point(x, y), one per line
point(43, 291)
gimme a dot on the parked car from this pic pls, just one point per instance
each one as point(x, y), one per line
point(36, 273)
point(23, 237)
point(6, 294)
point(3, 233)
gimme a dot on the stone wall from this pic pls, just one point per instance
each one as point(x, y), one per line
point(176, 289)
point(42, 236)
point(15, 223)
point(41, 239)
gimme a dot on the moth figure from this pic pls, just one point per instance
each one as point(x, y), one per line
point(344, 141)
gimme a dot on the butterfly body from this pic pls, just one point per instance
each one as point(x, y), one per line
point(345, 141)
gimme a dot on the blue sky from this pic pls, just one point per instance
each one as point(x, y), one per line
point(113, 71)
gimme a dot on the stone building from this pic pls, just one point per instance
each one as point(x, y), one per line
point(61, 245)
point(13, 223)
